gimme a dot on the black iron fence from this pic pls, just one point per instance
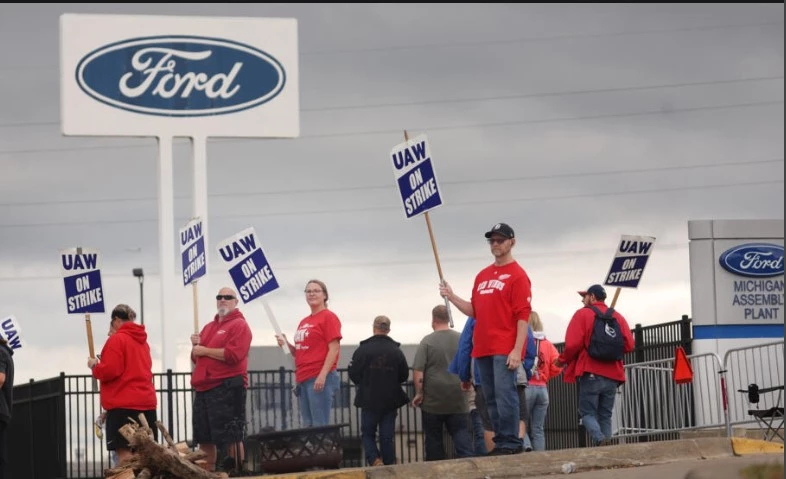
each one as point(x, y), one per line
point(53, 433)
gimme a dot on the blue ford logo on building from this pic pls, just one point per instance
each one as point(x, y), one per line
point(180, 75)
point(757, 260)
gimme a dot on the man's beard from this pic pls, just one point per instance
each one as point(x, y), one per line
point(223, 312)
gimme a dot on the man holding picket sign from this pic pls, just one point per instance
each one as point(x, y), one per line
point(501, 303)
point(598, 337)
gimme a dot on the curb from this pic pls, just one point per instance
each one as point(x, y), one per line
point(743, 446)
point(550, 462)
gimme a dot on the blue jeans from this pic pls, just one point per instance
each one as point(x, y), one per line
point(315, 406)
point(477, 433)
point(458, 428)
point(385, 419)
point(537, 406)
point(596, 404)
point(502, 400)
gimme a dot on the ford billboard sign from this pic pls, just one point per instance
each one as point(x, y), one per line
point(180, 75)
point(756, 260)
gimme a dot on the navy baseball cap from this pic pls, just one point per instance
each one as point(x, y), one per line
point(501, 229)
point(595, 290)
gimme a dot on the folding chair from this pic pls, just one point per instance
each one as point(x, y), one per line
point(770, 420)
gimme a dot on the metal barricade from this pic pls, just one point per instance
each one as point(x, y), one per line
point(761, 365)
point(650, 403)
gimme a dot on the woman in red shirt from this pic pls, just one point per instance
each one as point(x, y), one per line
point(316, 351)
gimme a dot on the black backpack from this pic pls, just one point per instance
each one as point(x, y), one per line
point(606, 342)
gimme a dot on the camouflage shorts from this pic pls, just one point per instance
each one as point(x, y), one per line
point(220, 414)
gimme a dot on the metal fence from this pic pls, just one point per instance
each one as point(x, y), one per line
point(59, 413)
point(652, 406)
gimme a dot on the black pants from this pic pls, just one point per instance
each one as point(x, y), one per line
point(3, 428)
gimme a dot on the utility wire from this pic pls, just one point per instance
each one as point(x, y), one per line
point(392, 187)
point(217, 269)
point(435, 128)
point(469, 203)
point(487, 98)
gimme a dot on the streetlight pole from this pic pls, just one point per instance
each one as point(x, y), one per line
point(141, 275)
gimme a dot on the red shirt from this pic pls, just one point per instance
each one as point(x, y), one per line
point(500, 298)
point(313, 334)
point(577, 340)
point(234, 336)
point(126, 370)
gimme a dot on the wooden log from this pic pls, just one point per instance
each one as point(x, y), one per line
point(196, 455)
point(125, 474)
point(183, 447)
point(132, 464)
point(158, 458)
point(166, 435)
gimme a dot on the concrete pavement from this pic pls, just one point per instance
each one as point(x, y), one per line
point(535, 464)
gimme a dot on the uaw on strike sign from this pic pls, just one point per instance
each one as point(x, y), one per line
point(82, 279)
point(248, 267)
point(414, 171)
point(629, 261)
point(192, 251)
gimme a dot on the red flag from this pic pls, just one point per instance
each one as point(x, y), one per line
point(683, 372)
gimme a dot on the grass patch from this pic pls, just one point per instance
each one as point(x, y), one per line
point(762, 471)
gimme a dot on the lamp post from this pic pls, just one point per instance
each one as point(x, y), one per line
point(141, 275)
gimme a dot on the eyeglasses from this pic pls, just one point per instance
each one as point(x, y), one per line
point(227, 297)
point(497, 240)
point(312, 291)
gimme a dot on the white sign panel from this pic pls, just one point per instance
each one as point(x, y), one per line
point(82, 280)
point(11, 332)
point(192, 251)
point(629, 261)
point(415, 176)
point(147, 75)
point(248, 267)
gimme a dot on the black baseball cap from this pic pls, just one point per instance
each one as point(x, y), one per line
point(596, 290)
point(501, 229)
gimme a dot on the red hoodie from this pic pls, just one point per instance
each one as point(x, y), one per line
point(126, 370)
point(233, 336)
point(577, 340)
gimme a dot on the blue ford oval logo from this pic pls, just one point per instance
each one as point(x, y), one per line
point(180, 75)
point(758, 260)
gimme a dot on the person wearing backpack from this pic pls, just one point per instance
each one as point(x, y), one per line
point(595, 342)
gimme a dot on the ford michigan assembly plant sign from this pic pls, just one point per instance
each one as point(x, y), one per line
point(132, 74)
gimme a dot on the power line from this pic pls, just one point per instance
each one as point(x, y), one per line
point(481, 43)
point(549, 38)
point(488, 98)
point(437, 128)
point(392, 187)
point(216, 269)
point(383, 208)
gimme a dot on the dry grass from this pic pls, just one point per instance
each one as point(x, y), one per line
point(763, 471)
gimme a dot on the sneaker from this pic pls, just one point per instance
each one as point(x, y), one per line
point(505, 451)
point(528, 449)
point(377, 462)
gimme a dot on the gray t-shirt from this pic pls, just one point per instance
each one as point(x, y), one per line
point(442, 392)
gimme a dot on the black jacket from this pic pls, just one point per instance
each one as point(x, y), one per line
point(378, 367)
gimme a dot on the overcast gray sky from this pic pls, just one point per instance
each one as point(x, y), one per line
point(575, 124)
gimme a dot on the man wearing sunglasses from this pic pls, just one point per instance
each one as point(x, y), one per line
point(501, 305)
point(220, 379)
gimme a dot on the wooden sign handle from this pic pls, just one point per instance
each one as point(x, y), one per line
point(89, 327)
point(616, 295)
point(196, 308)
